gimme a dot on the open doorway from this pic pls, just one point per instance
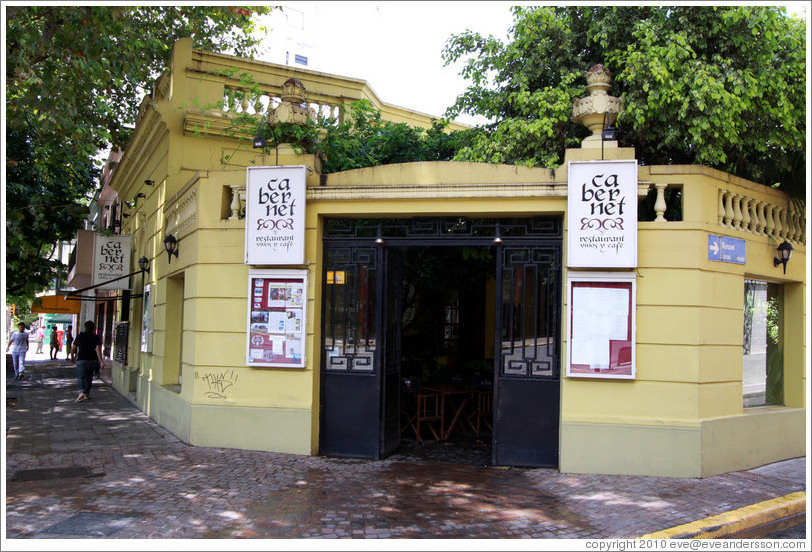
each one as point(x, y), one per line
point(441, 336)
point(763, 366)
point(448, 299)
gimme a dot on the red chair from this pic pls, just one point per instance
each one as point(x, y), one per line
point(484, 410)
point(424, 411)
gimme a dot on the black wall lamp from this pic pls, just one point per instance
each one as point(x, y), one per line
point(784, 254)
point(149, 182)
point(143, 264)
point(608, 133)
point(259, 140)
point(171, 246)
point(140, 194)
point(498, 237)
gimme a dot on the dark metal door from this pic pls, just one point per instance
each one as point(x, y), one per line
point(390, 411)
point(351, 374)
point(527, 400)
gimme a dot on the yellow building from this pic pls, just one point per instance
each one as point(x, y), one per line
point(422, 279)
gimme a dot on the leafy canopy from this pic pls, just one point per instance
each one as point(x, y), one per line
point(75, 77)
point(718, 86)
point(364, 139)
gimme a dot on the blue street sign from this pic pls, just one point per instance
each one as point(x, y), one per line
point(713, 248)
point(727, 250)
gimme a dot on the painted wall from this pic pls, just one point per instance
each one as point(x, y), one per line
point(683, 414)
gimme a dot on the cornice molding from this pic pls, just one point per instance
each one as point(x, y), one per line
point(438, 191)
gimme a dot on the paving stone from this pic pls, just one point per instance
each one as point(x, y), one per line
point(185, 492)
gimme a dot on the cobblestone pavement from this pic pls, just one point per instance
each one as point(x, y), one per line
point(103, 469)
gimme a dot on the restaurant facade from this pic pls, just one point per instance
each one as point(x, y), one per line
point(601, 317)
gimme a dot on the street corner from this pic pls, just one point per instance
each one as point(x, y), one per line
point(752, 521)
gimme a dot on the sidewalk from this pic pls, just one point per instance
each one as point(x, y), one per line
point(103, 469)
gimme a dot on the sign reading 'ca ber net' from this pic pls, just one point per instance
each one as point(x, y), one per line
point(275, 215)
point(111, 261)
point(602, 214)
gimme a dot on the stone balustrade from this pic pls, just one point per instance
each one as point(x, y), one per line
point(740, 211)
point(237, 204)
point(242, 100)
point(743, 210)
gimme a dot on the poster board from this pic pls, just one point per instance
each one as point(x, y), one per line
point(602, 214)
point(147, 323)
point(601, 325)
point(275, 215)
point(277, 326)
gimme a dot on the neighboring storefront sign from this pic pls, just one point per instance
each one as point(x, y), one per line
point(601, 326)
point(276, 318)
point(275, 215)
point(111, 260)
point(55, 304)
point(602, 214)
point(727, 250)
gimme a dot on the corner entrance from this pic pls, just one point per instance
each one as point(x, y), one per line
point(440, 330)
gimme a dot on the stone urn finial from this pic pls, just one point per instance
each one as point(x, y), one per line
point(292, 108)
point(598, 106)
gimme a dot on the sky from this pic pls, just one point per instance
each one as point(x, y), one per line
point(396, 46)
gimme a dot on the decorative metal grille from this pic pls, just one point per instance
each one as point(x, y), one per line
point(530, 298)
point(443, 227)
point(350, 302)
point(120, 340)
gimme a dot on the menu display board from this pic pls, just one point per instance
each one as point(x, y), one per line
point(601, 327)
point(276, 318)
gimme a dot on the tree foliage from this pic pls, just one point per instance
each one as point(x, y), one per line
point(75, 77)
point(719, 86)
point(364, 139)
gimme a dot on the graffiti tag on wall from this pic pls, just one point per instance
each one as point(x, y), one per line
point(218, 383)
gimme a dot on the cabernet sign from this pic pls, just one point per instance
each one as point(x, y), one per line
point(275, 215)
point(602, 214)
point(111, 261)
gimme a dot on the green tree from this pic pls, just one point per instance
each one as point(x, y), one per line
point(75, 78)
point(718, 86)
point(364, 139)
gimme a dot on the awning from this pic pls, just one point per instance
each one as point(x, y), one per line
point(55, 304)
point(58, 318)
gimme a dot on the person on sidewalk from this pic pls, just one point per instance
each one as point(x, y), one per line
point(20, 341)
point(39, 339)
point(54, 342)
point(85, 351)
point(68, 341)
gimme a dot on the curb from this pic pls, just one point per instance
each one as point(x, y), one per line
point(742, 523)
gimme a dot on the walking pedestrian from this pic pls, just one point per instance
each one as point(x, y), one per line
point(54, 342)
point(20, 341)
point(39, 339)
point(68, 341)
point(86, 350)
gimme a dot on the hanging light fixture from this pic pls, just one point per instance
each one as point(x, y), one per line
point(498, 237)
point(379, 238)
